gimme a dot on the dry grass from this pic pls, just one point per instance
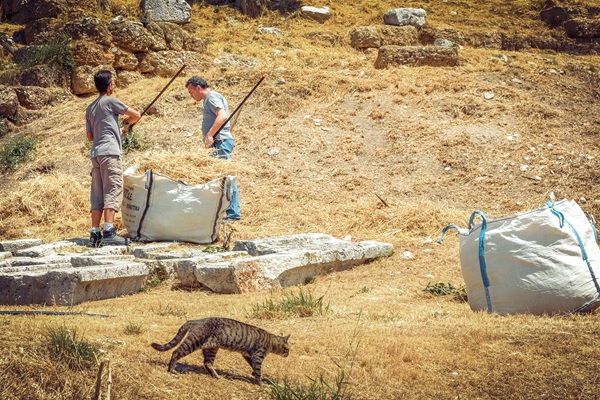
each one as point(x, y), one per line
point(423, 139)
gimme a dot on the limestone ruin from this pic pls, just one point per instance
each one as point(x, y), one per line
point(32, 272)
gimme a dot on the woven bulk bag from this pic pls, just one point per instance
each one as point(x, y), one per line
point(158, 208)
point(544, 261)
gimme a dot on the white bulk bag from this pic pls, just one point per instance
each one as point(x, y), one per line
point(544, 261)
point(158, 208)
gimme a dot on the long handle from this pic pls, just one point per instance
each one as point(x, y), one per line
point(241, 104)
point(156, 98)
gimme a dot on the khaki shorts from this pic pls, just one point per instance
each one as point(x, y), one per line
point(107, 183)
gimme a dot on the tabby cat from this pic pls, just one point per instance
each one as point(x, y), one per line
point(212, 334)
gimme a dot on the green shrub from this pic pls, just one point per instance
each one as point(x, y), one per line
point(136, 141)
point(17, 151)
point(54, 52)
point(302, 304)
point(65, 346)
point(441, 289)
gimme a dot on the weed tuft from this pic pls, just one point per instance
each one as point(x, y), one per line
point(442, 289)
point(133, 329)
point(302, 304)
point(65, 346)
point(169, 310)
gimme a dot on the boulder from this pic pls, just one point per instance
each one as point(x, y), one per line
point(162, 63)
point(88, 28)
point(36, 98)
point(126, 78)
point(319, 14)
point(405, 16)
point(5, 126)
point(252, 8)
point(32, 98)
point(134, 37)
point(382, 35)
point(555, 16)
point(46, 75)
point(176, 11)
point(434, 56)
point(22, 12)
point(41, 30)
point(9, 102)
point(82, 78)
point(582, 28)
point(174, 36)
point(124, 60)
point(91, 53)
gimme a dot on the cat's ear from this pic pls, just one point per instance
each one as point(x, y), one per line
point(286, 338)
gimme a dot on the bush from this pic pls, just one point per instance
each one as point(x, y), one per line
point(54, 52)
point(136, 141)
point(17, 151)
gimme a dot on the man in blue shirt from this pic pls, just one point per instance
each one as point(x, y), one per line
point(215, 112)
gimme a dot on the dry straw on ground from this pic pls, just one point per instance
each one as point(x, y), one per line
point(329, 144)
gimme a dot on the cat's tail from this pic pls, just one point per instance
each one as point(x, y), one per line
point(175, 341)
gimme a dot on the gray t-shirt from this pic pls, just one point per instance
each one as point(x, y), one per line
point(212, 101)
point(102, 119)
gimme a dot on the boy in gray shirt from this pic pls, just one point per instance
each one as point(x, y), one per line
point(102, 126)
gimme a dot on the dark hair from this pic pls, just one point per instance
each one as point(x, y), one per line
point(196, 81)
point(102, 79)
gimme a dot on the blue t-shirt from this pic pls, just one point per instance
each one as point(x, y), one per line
point(102, 119)
point(212, 101)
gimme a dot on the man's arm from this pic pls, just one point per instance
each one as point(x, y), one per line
point(90, 136)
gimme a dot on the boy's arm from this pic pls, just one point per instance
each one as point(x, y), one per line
point(131, 116)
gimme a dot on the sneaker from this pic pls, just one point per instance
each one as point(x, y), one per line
point(95, 238)
point(110, 238)
point(230, 219)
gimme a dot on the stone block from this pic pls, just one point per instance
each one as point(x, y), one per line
point(43, 249)
point(66, 285)
point(14, 245)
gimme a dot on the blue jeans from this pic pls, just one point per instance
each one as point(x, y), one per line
point(224, 148)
